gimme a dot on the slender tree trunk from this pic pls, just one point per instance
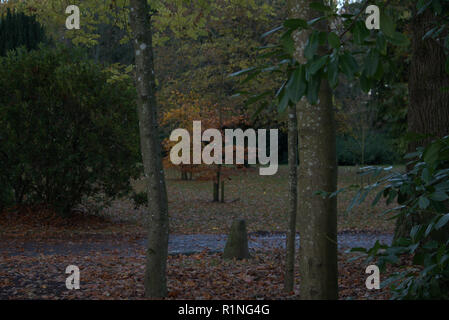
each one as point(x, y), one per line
point(217, 185)
point(317, 217)
point(155, 273)
point(292, 198)
point(428, 111)
point(222, 200)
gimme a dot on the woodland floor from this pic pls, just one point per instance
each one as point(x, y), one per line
point(109, 248)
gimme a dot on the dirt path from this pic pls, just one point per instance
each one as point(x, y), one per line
point(178, 244)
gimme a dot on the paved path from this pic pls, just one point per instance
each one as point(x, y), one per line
point(179, 244)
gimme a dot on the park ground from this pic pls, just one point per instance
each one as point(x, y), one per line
point(109, 246)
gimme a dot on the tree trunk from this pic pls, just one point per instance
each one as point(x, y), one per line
point(292, 198)
point(428, 111)
point(155, 273)
point(222, 200)
point(317, 217)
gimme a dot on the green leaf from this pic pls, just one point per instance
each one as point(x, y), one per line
point(439, 196)
point(283, 103)
point(360, 32)
point(371, 63)
point(312, 45)
point(334, 40)
point(297, 85)
point(316, 64)
point(313, 89)
point(415, 231)
point(376, 199)
point(400, 39)
point(431, 153)
point(296, 24)
point(332, 72)
point(429, 230)
point(423, 202)
point(315, 20)
point(348, 65)
point(244, 71)
point(387, 24)
point(425, 175)
point(288, 43)
point(266, 34)
point(381, 44)
point(442, 221)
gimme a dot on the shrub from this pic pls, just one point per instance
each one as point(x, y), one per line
point(66, 131)
point(422, 195)
point(378, 150)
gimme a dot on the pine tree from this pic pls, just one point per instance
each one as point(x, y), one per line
point(18, 29)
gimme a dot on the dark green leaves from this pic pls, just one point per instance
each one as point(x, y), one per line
point(334, 40)
point(348, 65)
point(360, 32)
point(297, 85)
point(423, 202)
point(387, 24)
point(296, 24)
point(266, 34)
point(312, 45)
point(287, 42)
point(442, 221)
point(371, 63)
point(381, 44)
point(316, 64)
point(313, 88)
point(332, 71)
point(400, 39)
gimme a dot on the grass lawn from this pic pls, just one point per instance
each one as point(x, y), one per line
point(261, 200)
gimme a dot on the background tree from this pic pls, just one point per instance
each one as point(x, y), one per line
point(428, 111)
point(18, 29)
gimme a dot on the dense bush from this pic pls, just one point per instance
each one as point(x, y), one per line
point(422, 195)
point(378, 150)
point(66, 132)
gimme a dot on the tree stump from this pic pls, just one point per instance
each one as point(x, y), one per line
point(237, 244)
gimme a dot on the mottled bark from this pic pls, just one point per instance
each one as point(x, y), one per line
point(237, 243)
point(317, 217)
point(292, 198)
point(428, 111)
point(157, 249)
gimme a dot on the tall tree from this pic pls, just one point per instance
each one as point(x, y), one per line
point(289, 281)
point(428, 111)
point(292, 197)
point(157, 250)
point(317, 216)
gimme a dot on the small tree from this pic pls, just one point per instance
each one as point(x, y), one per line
point(190, 107)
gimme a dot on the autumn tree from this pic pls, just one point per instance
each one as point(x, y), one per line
point(182, 111)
